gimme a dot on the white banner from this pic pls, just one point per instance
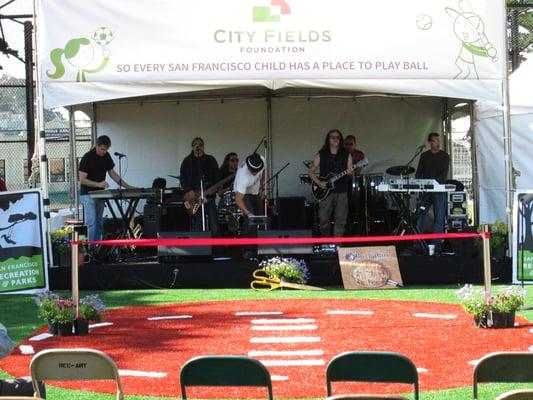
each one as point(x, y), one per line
point(23, 255)
point(193, 40)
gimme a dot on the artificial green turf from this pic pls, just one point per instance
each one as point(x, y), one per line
point(19, 314)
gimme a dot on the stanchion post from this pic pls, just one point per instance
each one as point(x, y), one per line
point(487, 276)
point(74, 272)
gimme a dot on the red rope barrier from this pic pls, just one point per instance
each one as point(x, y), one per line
point(279, 241)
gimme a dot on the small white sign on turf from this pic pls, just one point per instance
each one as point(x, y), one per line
point(372, 267)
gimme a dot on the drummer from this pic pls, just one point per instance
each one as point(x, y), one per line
point(229, 166)
point(355, 222)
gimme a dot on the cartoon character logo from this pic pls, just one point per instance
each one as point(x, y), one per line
point(271, 12)
point(469, 28)
point(85, 56)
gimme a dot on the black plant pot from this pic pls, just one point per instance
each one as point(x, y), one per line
point(52, 328)
point(64, 329)
point(499, 320)
point(81, 327)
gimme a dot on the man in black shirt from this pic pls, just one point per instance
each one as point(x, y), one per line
point(332, 159)
point(93, 168)
point(200, 170)
point(433, 164)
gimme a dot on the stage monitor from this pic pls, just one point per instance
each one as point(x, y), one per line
point(182, 251)
point(285, 249)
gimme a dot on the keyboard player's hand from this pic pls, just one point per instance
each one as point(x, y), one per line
point(103, 185)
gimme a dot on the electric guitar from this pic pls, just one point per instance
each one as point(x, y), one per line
point(192, 201)
point(330, 179)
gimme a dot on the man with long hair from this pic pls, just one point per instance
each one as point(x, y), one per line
point(332, 159)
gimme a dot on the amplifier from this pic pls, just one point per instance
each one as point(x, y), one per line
point(457, 205)
point(164, 218)
point(282, 249)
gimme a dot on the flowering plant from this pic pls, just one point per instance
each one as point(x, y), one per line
point(498, 234)
point(507, 299)
point(91, 308)
point(53, 308)
point(61, 239)
point(286, 269)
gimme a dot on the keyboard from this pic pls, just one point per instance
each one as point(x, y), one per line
point(415, 185)
point(141, 193)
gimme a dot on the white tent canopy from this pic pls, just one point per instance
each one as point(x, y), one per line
point(97, 51)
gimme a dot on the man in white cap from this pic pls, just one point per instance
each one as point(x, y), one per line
point(247, 186)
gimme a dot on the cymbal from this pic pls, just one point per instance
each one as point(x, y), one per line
point(174, 176)
point(400, 170)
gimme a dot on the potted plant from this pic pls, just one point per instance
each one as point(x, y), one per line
point(503, 304)
point(286, 269)
point(65, 317)
point(498, 239)
point(91, 308)
point(48, 309)
point(57, 312)
point(61, 247)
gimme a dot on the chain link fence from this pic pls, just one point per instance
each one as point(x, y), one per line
point(14, 145)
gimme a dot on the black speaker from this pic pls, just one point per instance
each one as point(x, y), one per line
point(180, 251)
point(292, 213)
point(164, 218)
point(285, 249)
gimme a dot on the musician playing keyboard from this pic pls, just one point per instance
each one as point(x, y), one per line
point(333, 160)
point(433, 164)
point(200, 169)
point(93, 168)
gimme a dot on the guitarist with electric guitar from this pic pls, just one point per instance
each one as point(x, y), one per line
point(199, 175)
point(334, 163)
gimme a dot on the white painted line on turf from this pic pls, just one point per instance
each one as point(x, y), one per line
point(285, 353)
point(531, 331)
point(349, 312)
point(271, 321)
point(252, 313)
point(279, 378)
point(40, 337)
point(26, 349)
point(283, 328)
point(437, 316)
point(100, 325)
point(422, 370)
point(144, 374)
point(169, 317)
point(291, 363)
point(286, 339)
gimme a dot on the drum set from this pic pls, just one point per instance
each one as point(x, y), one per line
point(229, 215)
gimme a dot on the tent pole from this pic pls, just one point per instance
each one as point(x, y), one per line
point(507, 143)
point(270, 163)
point(73, 161)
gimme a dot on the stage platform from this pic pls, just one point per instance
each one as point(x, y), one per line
point(228, 270)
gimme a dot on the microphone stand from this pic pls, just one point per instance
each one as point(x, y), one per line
point(202, 204)
point(276, 185)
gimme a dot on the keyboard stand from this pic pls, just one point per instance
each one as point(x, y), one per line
point(407, 224)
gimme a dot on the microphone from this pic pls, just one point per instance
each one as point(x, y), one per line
point(265, 142)
point(422, 147)
point(120, 155)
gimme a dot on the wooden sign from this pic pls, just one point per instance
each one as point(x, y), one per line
point(374, 267)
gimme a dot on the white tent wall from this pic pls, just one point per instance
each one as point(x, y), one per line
point(156, 136)
point(488, 125)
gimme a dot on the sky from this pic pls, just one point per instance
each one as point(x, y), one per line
point(14, 35)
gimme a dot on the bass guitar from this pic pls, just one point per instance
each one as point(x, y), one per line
point(330, 179)
point(192, 201)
